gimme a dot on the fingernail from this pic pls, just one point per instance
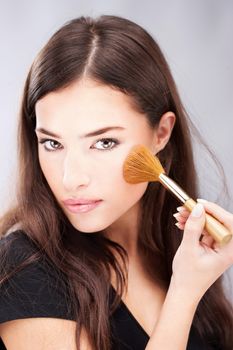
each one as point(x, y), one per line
point(180, 209)
point(201, 200)
point(176, 215)
point(198, 210)
point(178, 225)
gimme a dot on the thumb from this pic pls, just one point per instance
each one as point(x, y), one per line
point(194, 225)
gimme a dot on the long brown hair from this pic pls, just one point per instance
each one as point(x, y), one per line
point(119, 53)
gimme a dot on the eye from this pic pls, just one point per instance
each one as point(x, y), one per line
point(51, 143)
point(107, 144)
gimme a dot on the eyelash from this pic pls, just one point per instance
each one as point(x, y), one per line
point(42, 141)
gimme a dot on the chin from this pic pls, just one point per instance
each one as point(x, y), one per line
point(88, 227)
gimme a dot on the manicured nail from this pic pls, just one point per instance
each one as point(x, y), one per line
point(201, 200)
point(178, 225)
point(198, 210)
point(180, 208)
point(176, 215)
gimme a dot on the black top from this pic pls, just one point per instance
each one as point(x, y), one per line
point(35, 292)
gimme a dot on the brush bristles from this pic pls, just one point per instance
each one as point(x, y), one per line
point(141, 166)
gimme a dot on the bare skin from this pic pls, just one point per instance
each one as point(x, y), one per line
point(144, 297)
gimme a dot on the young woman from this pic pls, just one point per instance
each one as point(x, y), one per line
point(89, 261)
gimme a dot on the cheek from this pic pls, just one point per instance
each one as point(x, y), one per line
point(132, 193)
point(124, 194)
point(50, 171)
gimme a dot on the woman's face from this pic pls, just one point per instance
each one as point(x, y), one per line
point(79, 167)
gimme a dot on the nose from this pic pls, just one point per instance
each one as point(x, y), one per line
point(75, 173)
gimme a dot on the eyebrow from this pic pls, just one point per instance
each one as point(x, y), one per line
point(90, 134)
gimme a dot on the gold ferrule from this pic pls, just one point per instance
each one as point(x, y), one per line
point(173, 187)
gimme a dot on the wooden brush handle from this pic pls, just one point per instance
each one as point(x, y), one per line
point(219, 232)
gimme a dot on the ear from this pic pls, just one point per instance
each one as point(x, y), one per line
point(163, 131)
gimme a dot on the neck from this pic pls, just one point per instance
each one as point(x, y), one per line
point(124, 231)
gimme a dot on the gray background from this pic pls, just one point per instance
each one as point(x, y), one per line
point(196, 38)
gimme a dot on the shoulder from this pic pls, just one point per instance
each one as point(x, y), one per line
point(38, 333)
point(42, 333)
point(34, 306)
point(16, 245)
point(15, 248)
point(30, 285)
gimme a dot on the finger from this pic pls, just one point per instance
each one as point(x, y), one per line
point(225, 250)
point(205, 237)
point(182, 215)
point(179, 225)
point(207, 240)
point(194, 226)
point(180, 218)
point(222, 215)
point(183, 211)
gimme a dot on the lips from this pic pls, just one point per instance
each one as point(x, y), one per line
point(80, 201)
point(81, 206)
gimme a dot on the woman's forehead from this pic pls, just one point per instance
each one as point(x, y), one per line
point(91, 106)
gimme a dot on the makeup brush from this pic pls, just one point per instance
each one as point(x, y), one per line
point(142, 166)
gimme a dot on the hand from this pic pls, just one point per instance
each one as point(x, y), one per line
point(199, 263)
